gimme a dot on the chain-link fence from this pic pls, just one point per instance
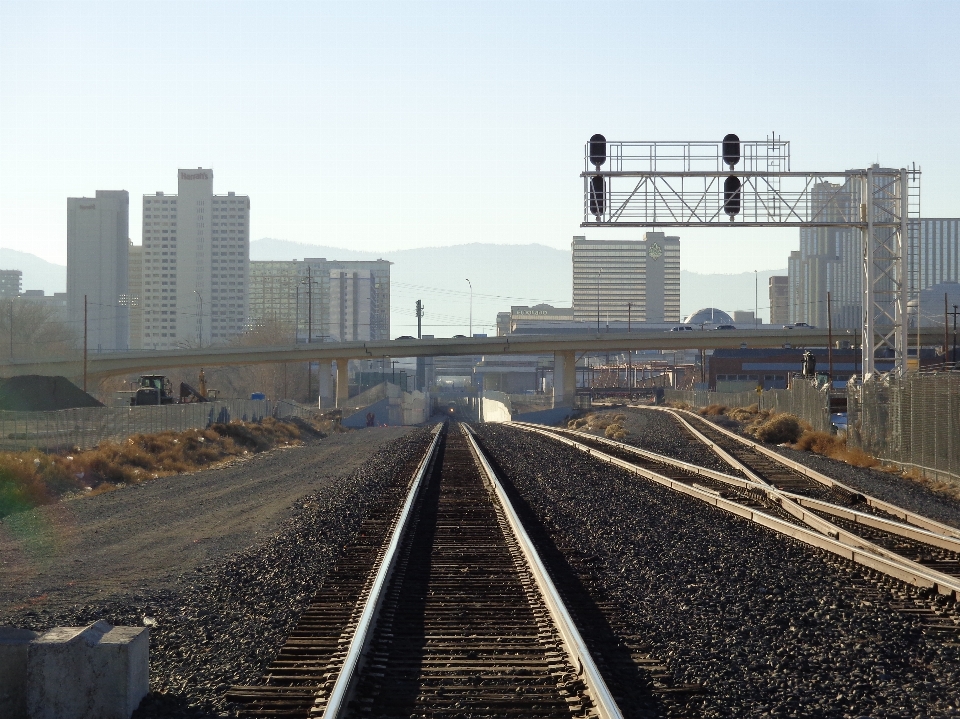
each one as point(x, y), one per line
point(804, 400)
point(704, 398)
point(86, 427)
point(912, 421)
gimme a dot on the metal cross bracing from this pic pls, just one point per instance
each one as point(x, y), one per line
point(736, 183)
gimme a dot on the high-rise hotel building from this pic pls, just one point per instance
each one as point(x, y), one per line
point(98, 230)
point(627, 280)
point(196, 250)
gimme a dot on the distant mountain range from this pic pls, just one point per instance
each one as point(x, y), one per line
point(38, 274)
point(502, 275)
point(515, 274)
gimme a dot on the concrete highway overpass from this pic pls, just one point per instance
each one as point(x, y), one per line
point(565, 349)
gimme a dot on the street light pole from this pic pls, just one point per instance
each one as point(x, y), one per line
point(200, 321)
point(756, 300)
point(955, 335)
point(471, 307)
point(598, 299)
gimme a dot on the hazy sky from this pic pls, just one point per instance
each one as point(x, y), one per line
point(404, 124)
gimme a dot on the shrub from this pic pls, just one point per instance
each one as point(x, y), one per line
point(744, 414)
point(835, 447)
point(713, 410)
point(613, 429)
point(779, 429)
point(28, 479)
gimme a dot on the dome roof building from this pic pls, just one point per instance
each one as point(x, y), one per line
point(709, 315)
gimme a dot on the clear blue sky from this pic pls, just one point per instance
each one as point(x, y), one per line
point(404, 124)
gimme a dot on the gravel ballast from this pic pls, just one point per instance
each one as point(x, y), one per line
point(657, 432)
point(769, 627)
point(221, 623)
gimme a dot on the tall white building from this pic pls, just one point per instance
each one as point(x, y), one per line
point(196, 260)
point(98, 232)
point(626, 280)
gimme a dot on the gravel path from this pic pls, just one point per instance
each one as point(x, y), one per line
point(770, 627)
point(147, 534)
point(222, 623)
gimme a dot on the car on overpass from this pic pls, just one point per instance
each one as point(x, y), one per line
point(681, 328)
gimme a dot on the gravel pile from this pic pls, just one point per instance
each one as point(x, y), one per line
point(222, 624)
point(769, 627)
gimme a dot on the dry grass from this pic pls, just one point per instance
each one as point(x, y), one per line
point(835, 447)
point(744, 414)
point(607, 423)
point(32, 478)
point(778, 429)
point(714, 410)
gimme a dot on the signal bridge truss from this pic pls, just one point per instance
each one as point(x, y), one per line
point(750, 184)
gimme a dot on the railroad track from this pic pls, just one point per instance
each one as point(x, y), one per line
point(888, 539)
point(448, 609)
point(879, 522)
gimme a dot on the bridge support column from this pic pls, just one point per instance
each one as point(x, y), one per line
point(343, 381)
point(325, 382)
point(564, 378)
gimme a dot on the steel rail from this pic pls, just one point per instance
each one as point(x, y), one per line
point(336, 702)
point(908, 531)
point(864, 552)
point(910, 517)
point(573, 643)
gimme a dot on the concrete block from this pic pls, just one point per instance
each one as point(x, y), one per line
point(14, 649)
point(94, 672)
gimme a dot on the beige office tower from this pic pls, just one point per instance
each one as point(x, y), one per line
point(196, 250)
point(98, 233)
point(626, 280)
point(134, 294)
point(779, 299)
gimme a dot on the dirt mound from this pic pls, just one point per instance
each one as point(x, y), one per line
point(40, 393)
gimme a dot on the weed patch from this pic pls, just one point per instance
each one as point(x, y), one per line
point(32, 478)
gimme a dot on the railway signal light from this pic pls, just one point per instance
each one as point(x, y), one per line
point(596, 196)
point(731, 150)
point(731, 196)
point(598, 150)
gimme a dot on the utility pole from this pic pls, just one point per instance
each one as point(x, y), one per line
point(829, 340)
point(954, 313)
point(419, 318)
point(945, 345)
point(598, 299)
point(471, 307)
point(11, 328)
point(309, 307)
point(629, 307)
point(756, 300)
point(199, 320)
point(84, 343)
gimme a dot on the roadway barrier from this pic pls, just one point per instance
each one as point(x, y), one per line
point(86, 427)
